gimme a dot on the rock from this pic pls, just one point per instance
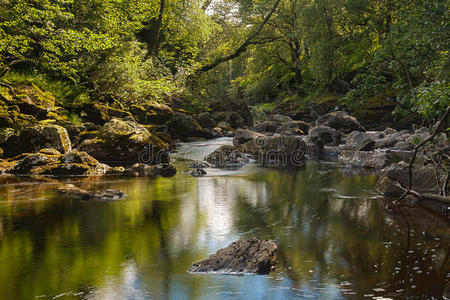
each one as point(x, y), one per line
point(183, 126)
point(30, 100)
point(227, 157)
point(87, 135)
point(280, 118)
point(293, 128)
point(324, 135)
point(74, 132)
point(355, 139)
point(5, 133)
point(268, 127)
point(197, 172)
point(367, 145)
point(244, 256)
point(277, 151)
point(122, 143)
point(237, 113)
point(31, 161)
point(100, 114)
point(199, 165)
point(73, 191)
point(424, 179)
point(364, 159)
point(340, 121)
point(50, 162)
point(141, 170)
point(32, 139)
point(389, 140)
point(206, 120)
point(230, 117)
point(152, 113)
point(242, 136)
point(215, 132)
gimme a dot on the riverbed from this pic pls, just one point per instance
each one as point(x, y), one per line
point(335, 239)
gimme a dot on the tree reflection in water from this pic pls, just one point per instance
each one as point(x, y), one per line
point(335, 240)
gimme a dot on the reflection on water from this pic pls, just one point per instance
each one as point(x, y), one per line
point(335, 241)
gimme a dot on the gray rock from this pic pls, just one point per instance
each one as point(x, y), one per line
point(227, 157)
point(277, 151)
point(340, 121)
point(324, 135)
point(244, 256)
point(364, 159)
point(424, 179)
point(242, 136)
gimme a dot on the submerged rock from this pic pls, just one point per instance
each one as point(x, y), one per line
point(244, 256)
point(197, 172)
point(141, 170)
point(73, 191)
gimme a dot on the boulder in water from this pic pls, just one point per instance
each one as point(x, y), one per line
point(244, 256)
point(73, 191)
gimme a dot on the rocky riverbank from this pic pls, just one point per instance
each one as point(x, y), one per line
point(41, 136)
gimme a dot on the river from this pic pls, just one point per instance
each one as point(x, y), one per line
point(335, 239)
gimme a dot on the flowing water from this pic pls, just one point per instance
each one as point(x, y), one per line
point(335, 240)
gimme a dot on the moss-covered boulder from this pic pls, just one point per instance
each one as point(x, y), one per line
point(34, 160)
point(34, 138)
point(30, 99)
point(99, 113)
point(183, 126)
point(121, 142)
point(50, 162)
point(152, 113)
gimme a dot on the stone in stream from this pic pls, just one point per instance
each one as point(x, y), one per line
point(73, 191)
point(243, 256)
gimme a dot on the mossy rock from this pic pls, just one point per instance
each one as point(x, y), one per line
point(34, 138)
point(31, 161)
point(121, 142)
point(100, 114)
point(184, 126)
point(87, 135)
point(6, 119)
point(152, 113)
point(30, 99)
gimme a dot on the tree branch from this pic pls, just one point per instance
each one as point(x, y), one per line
point(241, 49)
point(423, 143)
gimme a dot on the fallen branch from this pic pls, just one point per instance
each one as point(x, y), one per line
point(423, 196)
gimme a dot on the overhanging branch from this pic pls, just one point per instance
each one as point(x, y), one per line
point(241, 49)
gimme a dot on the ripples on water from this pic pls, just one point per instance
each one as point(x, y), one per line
point(335, 241)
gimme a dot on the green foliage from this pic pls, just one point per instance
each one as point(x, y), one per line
point(431, 100)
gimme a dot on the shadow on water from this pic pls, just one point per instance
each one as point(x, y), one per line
point(335, 239)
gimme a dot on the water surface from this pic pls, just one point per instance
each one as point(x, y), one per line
point(335, 240)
